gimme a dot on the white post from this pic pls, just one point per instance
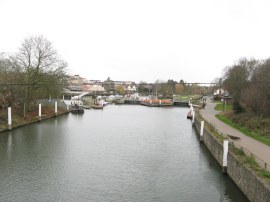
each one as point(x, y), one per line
point(9, 118)
point(67, 107)
point(63, 97)
point(55, 107)
point(193, 116)
point(225, 155)
point(160, 102)
point(201, 132)
point(39, 111)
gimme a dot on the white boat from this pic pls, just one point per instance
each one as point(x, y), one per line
point(102, 103)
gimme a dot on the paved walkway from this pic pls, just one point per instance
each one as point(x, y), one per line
point(253, 146)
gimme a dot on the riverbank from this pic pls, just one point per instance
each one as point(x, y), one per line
point(31, 118)
point(253, 180)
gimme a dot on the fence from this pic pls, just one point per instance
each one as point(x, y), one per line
point(262, 163)
point(51, 102)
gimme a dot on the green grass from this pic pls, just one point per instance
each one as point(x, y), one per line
point(244, 130)
point(219, 107)
point(186, 97)
point(250, 162)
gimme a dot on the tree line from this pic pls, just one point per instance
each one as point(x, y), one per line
point(170, 87)
point(249, 85)
point(37, 67)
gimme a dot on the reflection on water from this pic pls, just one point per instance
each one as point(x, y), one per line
point(123, 153)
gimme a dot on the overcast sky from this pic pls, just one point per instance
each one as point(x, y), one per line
point(142, 40)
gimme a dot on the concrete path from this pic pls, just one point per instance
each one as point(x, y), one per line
point(258, 149)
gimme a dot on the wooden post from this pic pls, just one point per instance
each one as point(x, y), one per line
point(9, 119)
point(225, 155)
point(39, 111)
point(201, 132)
point(55, 107)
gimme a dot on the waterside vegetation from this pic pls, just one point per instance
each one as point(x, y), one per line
point(32, 73)
point(247, 82)
point(251, 163)
point(255, 133)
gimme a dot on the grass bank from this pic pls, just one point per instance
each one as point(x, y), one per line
point(221, 106)
point(255, 135)
point(251, 163)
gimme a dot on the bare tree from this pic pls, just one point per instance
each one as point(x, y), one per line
point(258, 95)
point(41, 68)
point(237, 79)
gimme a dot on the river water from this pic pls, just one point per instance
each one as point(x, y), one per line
point(123, 153)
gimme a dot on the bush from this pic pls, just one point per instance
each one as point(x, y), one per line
point(237, 108)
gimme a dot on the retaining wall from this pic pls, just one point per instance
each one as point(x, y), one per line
point(255, 188)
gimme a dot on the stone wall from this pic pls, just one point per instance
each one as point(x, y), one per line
point(211, 142)
point(251, 185)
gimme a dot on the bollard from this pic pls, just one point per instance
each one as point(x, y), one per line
point(67, 107)
point(160, 102)
point(225, 155)
point(63, 97)
point(193, 116)
point(201, 132)
point(39, 111)
point(9, 119)
point(55, 107)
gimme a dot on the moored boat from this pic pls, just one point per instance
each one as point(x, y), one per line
point(86, 106)
point(97, 107)
point(157, 103)
point(76, 105)
point(189, 115)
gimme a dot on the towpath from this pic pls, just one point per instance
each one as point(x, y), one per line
point(260, 150)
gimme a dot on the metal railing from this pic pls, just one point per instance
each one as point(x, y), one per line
point(261, 162)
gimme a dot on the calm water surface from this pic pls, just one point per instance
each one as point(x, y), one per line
point(123, 153)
